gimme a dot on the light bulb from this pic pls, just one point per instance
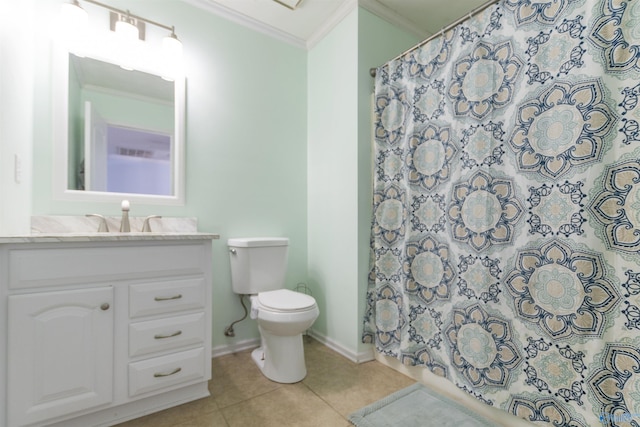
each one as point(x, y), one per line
point(126, 30)
point(72, 26)
point(73, 15)
point(172, 46)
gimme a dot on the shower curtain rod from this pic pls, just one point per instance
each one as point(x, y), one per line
point(372, 71)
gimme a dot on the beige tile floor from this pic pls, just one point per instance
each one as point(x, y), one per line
point(242, 396)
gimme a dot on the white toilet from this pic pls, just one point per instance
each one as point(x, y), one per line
point(258, 267)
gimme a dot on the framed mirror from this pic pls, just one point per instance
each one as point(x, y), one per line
point(118, 131)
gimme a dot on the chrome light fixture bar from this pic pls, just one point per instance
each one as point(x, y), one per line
point(289, 4)
point(132, 24)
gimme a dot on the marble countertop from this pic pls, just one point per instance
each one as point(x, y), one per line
point(106, 237)
point(50, 229)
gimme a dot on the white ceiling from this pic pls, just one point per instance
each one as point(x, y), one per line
point(313, 19)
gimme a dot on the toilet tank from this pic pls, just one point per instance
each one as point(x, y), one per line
point(258, 264)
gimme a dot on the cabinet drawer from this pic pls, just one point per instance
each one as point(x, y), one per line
point(66, 265)
point(166, 334)
point(146, 299)
point(165, 371)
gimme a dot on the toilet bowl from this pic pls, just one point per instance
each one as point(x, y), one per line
point(283, 315)
point(258, 267)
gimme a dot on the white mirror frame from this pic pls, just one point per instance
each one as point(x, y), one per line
point(60, 156)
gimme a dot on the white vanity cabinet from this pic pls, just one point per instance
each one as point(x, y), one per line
point(102, 330)
point(60, 353)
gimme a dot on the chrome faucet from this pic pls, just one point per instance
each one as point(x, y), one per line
point(146, 226)
point(102, 227)
point(125, 227)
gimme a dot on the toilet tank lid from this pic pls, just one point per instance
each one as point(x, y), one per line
point(253, 242)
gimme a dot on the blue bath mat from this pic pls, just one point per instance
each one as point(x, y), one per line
point(416, 406)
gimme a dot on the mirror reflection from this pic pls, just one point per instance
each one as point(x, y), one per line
point(120, 129)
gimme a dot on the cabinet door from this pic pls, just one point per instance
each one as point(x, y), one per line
point(60, 353)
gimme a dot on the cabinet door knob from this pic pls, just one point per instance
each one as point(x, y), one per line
point(105, 306)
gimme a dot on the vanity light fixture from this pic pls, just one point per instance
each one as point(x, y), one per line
point(172, 45)
point(74, 15)
point(126, 27)
point(289, 4)
point(124, 23)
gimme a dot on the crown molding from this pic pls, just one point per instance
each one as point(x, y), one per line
point(345, 9)
point(392, 17)
point(246, 21)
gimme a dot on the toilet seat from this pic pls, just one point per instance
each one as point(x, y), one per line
point(285, 300)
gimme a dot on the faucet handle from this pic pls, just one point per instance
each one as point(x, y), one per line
point(103, 227)
point(146, 226)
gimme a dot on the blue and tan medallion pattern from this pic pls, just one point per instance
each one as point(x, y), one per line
point(430, 270)
point(387, 265)
point(482, 347)
point(390, 165)
point(537, 11)
point(428, 213)
point(616, 34)
point(484, 26)
point(632, 300)
point(630, 114)
point(423, 62)
point(544, 52)
point(484, 80)
point(391, 115)
point(555, 369)
point(484, 211)
point(424, 326)
point(423, 356)
point(616, 207)
point(556, 209)
point(505, 236)
point(544, 411)
point(615, 383)
point(563, 290)
point(482, 145)
point(430, 157)
point(389, 214)
point(479, 278)
point(428, 101)
point(566, 126)
point(390, 318)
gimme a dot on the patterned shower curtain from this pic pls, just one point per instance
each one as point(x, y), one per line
point(506, 229)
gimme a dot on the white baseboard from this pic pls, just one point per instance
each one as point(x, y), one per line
point(361, 357)
point(221, 350)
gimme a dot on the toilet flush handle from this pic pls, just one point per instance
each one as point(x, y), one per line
point(233, 251)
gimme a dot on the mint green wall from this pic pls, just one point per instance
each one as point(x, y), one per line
point(118, 109)
point(246, 133)
point(339, 169)
point(333, 182)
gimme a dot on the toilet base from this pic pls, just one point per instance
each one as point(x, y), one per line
point(281, 359)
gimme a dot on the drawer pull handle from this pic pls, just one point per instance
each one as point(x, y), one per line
point(175, 334)
point(161, 374)
point(168, 298)
point(105, 306)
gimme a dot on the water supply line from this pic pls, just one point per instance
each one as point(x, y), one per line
point(228, 331)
